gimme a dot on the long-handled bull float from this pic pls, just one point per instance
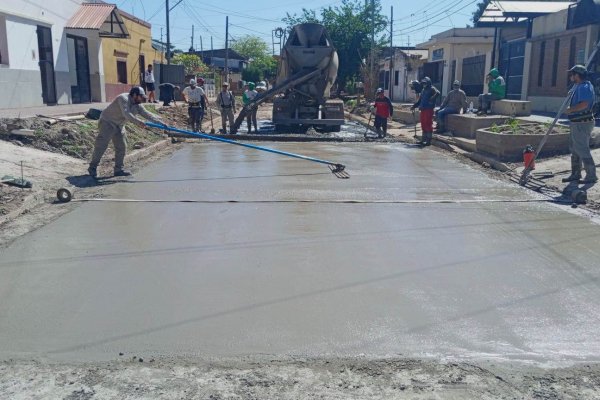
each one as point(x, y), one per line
point(336, 168)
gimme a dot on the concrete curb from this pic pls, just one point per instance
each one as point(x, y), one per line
point(146, 151)
point(446, 144)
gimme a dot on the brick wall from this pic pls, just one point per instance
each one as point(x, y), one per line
point(115, 89)
point(542, 85)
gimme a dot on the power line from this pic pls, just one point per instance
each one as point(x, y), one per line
point(444, 14)
point(427, 6)
point(160, 8)
point(199, 19)
point(225, 11)
point(251, 30)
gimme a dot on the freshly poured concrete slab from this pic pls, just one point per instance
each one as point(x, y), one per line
point(515, 281)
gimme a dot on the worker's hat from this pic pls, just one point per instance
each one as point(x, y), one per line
point(579, 69)
point(192, 81)
point(380, 90)
point(225, 84)
point(456, 83)
point(137, 90)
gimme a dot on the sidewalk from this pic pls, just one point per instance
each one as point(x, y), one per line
point(50, 111)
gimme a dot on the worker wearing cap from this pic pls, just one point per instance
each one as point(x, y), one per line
point(426, 104)
point(496, 91)
point(383, 110)
point(226, 103)
point(111, 127)
point(416, 87)
point(455, 101)
point(248, 97)
point(582, 123)
point(197, 100)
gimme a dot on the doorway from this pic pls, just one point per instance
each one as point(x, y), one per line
point(511, 66)
point(46, 63)
point(79, 69)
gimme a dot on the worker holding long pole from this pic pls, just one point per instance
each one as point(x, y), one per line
point(111, 126)
point(582, 123)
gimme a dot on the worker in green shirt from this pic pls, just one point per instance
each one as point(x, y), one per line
point(496, 91)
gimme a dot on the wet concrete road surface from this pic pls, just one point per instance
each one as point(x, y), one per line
point(513, 281)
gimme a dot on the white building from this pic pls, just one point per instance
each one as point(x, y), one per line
point(405, 68)
point(459, 53)
point(41, 62)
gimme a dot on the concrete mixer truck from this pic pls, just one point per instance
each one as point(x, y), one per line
point(307, 69)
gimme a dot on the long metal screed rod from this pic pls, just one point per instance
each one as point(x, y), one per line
point(336, 167)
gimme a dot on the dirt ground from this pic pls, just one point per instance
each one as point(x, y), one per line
point(293, 378)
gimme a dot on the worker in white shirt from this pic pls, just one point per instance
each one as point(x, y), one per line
point(197, 102)
point(149, 81)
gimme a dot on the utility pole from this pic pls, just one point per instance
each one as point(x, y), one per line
point(201, 49)
point(168, 34)
point(192, 48)
point(371, 69)
point(167, 11)
point(161, 44)
point(392, 54)
point(227, 49)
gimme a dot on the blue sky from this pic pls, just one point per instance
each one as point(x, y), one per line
point(414, 20)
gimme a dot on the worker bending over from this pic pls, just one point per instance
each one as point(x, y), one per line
point(111, 126)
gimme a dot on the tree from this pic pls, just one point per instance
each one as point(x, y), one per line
point(350, 26)
point(191, 63)
point(480, 9)
point(262, 64)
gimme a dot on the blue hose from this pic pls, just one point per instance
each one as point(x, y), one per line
point(337, 167)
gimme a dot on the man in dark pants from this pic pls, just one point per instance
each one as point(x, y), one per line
point(195, 97)
point(426, 103)
point(383, 110)
point(581, 120)
point(149, 81)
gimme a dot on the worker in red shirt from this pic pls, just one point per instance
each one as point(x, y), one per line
point(383, 111)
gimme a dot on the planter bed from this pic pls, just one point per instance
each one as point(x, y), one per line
point(466, 125)
point(505, 144)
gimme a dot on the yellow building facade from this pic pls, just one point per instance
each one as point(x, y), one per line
point(125, 60)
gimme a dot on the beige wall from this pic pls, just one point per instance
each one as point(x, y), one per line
point(459, 52)
point(128, 50)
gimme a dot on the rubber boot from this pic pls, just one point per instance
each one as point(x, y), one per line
point(590, 171)
point(428, 137)
point(575, 170)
